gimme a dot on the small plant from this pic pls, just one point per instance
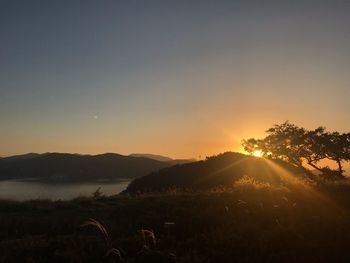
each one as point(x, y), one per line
point(111, 252)
point(97, 194)
point(149, 239)
point(148, 252)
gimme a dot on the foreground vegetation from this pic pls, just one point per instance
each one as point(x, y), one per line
point(248, 222)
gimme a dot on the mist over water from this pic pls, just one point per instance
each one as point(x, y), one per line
point(22, 191)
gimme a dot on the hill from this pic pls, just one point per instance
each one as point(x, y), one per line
point(21, 156)
point(63, 167)
point(217, 171)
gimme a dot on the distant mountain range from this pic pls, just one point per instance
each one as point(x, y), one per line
point(222, 170)
point(162, 158)
point(64, 167)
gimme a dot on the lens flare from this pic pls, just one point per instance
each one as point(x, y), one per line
point(258, 153)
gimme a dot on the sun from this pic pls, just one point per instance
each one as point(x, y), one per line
point(258, 153)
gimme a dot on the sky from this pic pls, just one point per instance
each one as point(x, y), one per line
point(186, 79)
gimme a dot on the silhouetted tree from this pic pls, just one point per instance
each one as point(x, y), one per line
point(333, 146)
point(299, 146)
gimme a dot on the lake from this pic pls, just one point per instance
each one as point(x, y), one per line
point(21, 191)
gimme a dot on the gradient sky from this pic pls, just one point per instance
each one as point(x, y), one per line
point(178, 78)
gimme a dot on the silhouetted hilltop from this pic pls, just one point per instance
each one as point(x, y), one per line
point(75, 167)
point(21, 156)
point(220, 170)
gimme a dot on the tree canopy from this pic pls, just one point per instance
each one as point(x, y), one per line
point(304, 148)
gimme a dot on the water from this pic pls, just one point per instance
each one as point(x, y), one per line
point(21, 191)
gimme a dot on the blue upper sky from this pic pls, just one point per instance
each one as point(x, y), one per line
point(180, 78)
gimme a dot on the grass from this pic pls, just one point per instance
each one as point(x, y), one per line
point(250, 222)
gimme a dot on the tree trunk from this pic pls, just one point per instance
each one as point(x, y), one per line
point(340, 167)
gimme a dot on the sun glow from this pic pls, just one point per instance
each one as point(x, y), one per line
point(257, 153)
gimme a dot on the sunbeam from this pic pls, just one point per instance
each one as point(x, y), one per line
point(302, 186)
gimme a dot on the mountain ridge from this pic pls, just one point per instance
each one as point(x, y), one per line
point(67, 167)
point(162, 158)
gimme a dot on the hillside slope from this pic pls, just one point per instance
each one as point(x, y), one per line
point(221, 170)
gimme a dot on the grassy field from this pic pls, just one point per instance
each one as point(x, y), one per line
point(250, 222)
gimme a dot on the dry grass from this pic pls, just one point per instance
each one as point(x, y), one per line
point(149, 239)
point(111, 252)
point(247, 183)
